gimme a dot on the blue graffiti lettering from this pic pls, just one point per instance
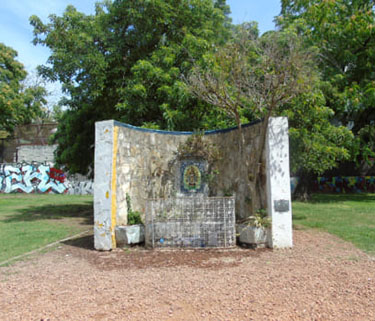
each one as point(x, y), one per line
point(29, 178)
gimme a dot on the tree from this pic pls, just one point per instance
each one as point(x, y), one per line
point(316, 145)
point(51, 110)
point(255, 77)
point(125, 63)
point(343, 31)
point(19, 103)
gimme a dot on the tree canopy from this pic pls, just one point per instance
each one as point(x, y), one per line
point(125, 62)
point(253, 77)
point(19, 103)
point(129, 59)
point(343, 31)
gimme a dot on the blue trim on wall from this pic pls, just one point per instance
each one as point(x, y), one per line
point(166, 132)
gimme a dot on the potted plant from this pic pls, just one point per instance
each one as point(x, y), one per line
point(255, 230)
point(134, 231)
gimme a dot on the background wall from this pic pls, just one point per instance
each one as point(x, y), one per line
point(345, 184)
point(31, 178)
point(27, 164)
point(36, 177)
point(31, 141)
point(36, 153)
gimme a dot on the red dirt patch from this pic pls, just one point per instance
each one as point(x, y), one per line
point(321, 278)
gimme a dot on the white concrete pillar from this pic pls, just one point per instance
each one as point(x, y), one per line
point(278, 183)
point(103, 198)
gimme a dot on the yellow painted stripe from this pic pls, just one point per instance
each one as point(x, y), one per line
point(113, 187)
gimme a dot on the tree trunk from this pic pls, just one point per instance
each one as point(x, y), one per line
point(256, 165)
point(305, 186)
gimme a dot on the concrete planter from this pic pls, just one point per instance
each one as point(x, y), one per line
point(129, 234)
point(252, 235)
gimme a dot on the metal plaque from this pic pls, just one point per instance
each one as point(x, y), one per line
point(281, 206)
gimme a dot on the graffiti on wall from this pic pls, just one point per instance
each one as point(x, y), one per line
point(346, 184)
point(80, 187)
point(31, 178)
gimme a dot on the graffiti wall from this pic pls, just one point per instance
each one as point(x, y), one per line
point(31, 178)
point(345, 184)
point(80, 187)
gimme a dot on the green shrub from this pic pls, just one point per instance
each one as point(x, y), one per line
point(134, 217)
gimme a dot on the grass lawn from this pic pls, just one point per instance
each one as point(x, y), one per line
point(30, 221)
point(349, 216)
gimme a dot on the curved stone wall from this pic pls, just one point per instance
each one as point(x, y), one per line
point(147, 166)
point(143, 163)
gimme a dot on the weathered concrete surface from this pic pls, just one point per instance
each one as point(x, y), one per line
point(129, 234)
point(252, 235)
point(36, 153)
point(104, 132)
point(80, 187)
point(279, 202)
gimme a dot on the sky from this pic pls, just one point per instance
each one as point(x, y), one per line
point(16, 31)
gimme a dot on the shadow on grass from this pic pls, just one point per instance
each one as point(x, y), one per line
point(299, 217)
point(53, 212)
point(84, 242)
point(333, 198)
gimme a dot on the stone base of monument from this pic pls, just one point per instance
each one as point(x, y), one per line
point(129, 235)
point(252, 235)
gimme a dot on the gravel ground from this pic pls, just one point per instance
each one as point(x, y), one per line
point(321, 278)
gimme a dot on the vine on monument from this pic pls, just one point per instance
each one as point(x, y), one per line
point(197, 147)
